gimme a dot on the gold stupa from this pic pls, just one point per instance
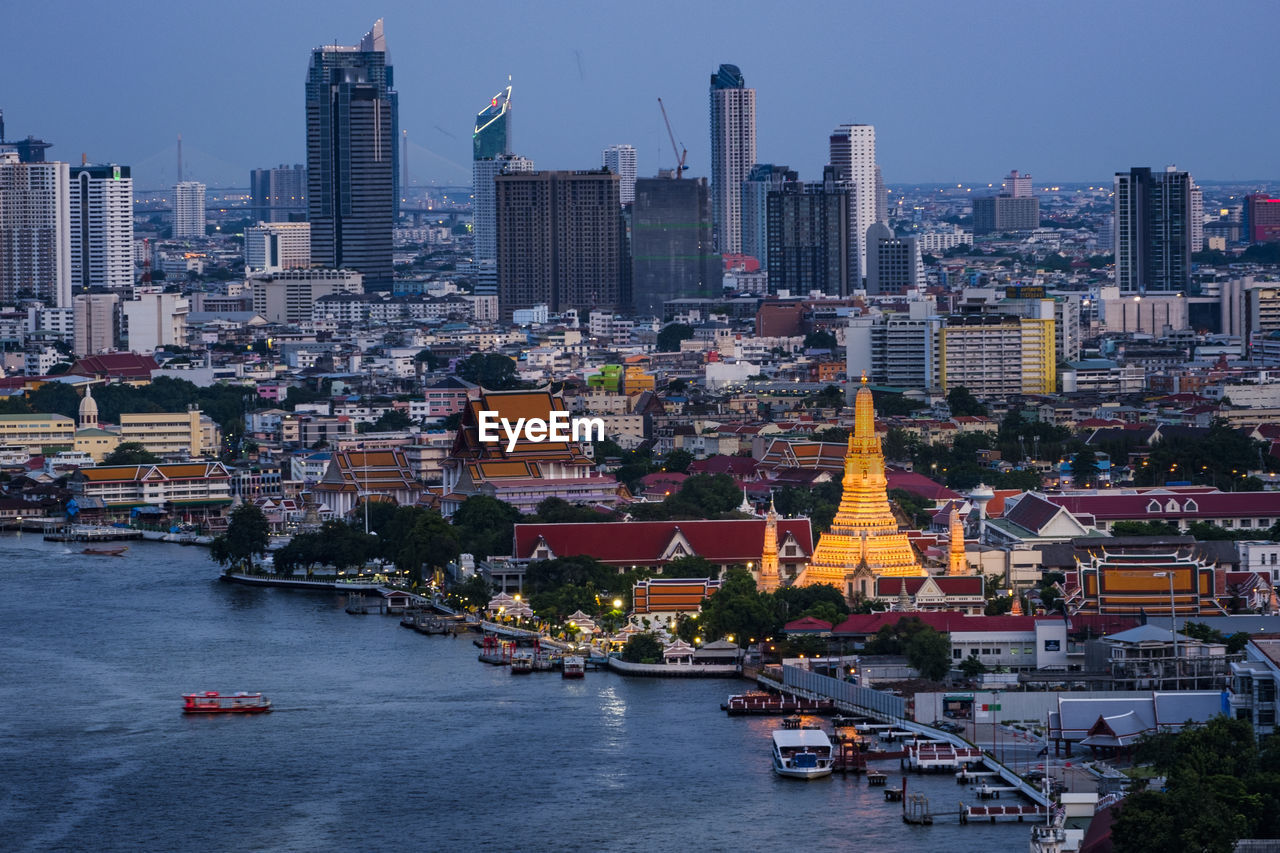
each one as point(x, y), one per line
point(864, 542)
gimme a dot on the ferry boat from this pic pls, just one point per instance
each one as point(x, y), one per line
point(773, 703)
point(213, 702)
point(573, 667)
point(522, 661)
point(802, 753)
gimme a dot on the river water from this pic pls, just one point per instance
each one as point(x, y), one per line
point(381, 739)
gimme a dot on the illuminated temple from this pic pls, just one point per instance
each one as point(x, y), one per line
point(864, 542)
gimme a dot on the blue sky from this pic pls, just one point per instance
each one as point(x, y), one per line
point(958, 91)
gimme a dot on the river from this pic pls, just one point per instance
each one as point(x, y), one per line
point(381, 738)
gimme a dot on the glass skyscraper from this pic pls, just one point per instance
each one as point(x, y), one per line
point(491, 156)
point(492, 136)
point(352, 157)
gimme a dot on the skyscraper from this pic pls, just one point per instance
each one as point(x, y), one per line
point(1016, 185)
point(188, 210)
point(1153, 230)
point(810, 236)
point(491, 156)
point(35, 244)
point(671, 243)
point(560, 241)
point(1197, 218)
point(279, 194)
point(761, 180)
point(101, 220)
point(853, 154)
point(1014, 208)
point(733, 152)
point(621, 160)
point(352, 157)
point(492, 135)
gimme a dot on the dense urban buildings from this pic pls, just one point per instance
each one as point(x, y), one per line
point(621, 160)
point(853, 155)
point(671, 243)
point(279, 194)
point(352, 157)
point(1153, 230)
point(35, 239)
point(733, 152)
point(560, 241)
point(812, 246)
point(188, 210)
point(763, 179)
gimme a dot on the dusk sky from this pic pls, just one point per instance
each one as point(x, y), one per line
point(957, 91)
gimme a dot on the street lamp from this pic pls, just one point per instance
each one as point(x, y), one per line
point(1173, 622)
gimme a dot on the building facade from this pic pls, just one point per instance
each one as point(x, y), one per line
point(35, 231)
point(853, 154)
point(97, 323)
point(811, 237)
point(671, 243)
point(156, 320)
point(279, 194)
point(894, 264)
point(1153, 230)
point(188, 210)
point(101, 227)
point(733, 153)
point(275, 246)
point(621, 160)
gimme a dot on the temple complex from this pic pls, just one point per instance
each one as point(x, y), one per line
point(864, 542)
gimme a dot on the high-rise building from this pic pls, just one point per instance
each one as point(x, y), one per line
point(998, 355)
point(560, 242)
point(1153, 230)
point(188, 210)
point(97, 322)
point(733, 153)
point(761, 180)
point(671, 243)
point(484, 215)
point(1261, 219)
point(492, 135)
point(1197, 218)
point(156, 320)
point(101, 220)
point(894, 264)
point(811, 242)
point(275, 246)
point(279, 194)
point(853, 155)
point(35, 239)
point(1014, 208)
point(353, 157)
point(621, 160)
point(1016, 185)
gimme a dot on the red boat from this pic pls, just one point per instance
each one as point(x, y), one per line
point(213, 702)
point(774, 703)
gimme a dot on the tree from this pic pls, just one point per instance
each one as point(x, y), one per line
point(392, 420)
point(130, 453)
point(678, 460)
point(963, 403)
point(643, 648)
point(489, 370)
point(705, 496)
point(1084, 467)
point(820, 340)
point(247, 536)
point(930, 653)
point(972, 666)
point(474, 592)
point(1144, 528)
point(671, 335)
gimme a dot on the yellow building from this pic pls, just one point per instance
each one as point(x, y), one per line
point(996, 355)
point(170, 433)
point(864, 542)
point(37, 432)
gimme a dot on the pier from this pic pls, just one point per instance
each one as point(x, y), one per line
point(88, 533)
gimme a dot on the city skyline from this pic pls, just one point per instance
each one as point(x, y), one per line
point(946, 106)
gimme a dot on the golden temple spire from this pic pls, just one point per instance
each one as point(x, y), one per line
point(1017, 604)
point(770, 577)
point(957, 563)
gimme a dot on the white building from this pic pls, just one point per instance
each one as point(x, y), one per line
point(276, 246)
point(937, 242)
point(290, 295)
point(733, 153)
point(156, 320)
point(35, 238)
point(621, 160)
point(853, 153)
point(97, 324)
point(101, 226)
point(188, 210)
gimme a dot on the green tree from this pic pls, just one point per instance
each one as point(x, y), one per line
point(1144, 528)
point(392, 420)
point(972, 666)
point(691, 566)
point(489, 370)
point(705, 496)
point(130, 453)
point(930, 653)
point(678, 460)
point(1084, 467)
point(472, 593)
point(247, 536)
point(963, 403)
point(671, 335)
point(820, 340)
point(485, 525)
point(643, 648)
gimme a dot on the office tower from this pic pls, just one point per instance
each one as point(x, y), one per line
point(275, 246)
point(35, 238)
point(492, 135)
point(853, 155)
point(733, 153)
point(101, 226)
point(1016, 185)
point(1261, 219)
point(1153, 233)
point(484, 215)
point(621, 160)
point(671, 243)
point(1197, 218)
point(188, 210)
point(761, 180)
point(97, 322)
point(352, 157)
point(894, 264)
point(812, 245)
point(279, 194)
point(560, 241)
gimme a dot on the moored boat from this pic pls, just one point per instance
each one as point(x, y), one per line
point(212, 702)
point(522, 661)
point(802, 753)
point(761, 702)
point(573, 666)
point(106, 552)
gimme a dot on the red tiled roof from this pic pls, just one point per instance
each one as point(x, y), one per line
point(806, 623)
point(1112, 507)
point(643, 542)
point(919, 484)
point(959, 585)
point(119, 365)
point(946, 621)
point(738, 466)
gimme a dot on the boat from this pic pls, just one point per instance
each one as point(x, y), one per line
point(760, 702)
point(213, 702)
point(802, 753)
point(106, 552)
point(573, 667)
point(522, 661)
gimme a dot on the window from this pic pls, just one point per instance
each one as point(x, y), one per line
point(1153, 506)
point(1246, 522)
point(1266, 717)
point(1266, 691)
point(1191, 506)
point(957, 654)
point(1053, 645)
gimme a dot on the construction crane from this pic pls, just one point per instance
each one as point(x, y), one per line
point(679, 150)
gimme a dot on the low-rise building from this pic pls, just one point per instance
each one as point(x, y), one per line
point(37, 432)
point(196, 491)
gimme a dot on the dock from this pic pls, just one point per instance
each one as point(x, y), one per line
point(972, 814)
point(88, 533)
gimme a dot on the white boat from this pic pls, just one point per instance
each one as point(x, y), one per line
point(802, 753)
point(574, 666)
